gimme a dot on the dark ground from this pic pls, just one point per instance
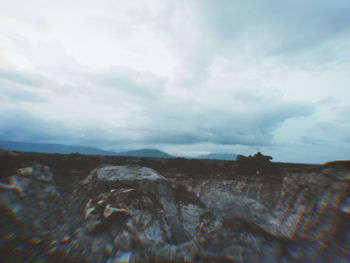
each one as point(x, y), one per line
point(227, 203)
point(71, 167)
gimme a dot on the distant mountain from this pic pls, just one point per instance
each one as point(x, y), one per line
point(219, 156)
point(146, 153)
point(67, 149)
point(52, 148)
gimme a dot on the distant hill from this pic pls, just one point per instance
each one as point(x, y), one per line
point(67, 149)
point(146, 153)
point(52, 148)
point(219, 156)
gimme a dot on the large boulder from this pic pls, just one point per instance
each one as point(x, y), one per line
point(134, 214)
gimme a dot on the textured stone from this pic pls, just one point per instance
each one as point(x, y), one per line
point(133, 214)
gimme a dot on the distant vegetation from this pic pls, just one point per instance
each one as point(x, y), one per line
point(256, 164)
point(76, 166)
point(219, 156)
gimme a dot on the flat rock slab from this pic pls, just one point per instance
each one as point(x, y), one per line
point(128, 173)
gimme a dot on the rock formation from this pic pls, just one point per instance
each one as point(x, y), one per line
point(134, 214)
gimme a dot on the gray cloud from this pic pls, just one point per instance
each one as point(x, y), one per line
point(187, 76)
point(14, 95)
point(24, 78)
point(191, 123)
point(278, 27)
point(18, 86)
point(187, 124)
point(145, 85)
point(21, 126)
point(16, 125)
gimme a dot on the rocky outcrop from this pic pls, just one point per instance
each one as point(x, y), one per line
point(314, 207)
point(134, 214)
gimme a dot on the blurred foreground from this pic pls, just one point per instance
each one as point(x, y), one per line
point(149, 210)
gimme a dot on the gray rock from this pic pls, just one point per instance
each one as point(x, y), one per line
point(134, 214)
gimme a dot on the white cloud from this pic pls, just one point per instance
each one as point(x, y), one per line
point(184, 76)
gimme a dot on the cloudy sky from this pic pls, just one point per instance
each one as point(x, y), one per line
point(187, 77)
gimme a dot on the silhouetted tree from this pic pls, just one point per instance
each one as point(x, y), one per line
point(256, 164)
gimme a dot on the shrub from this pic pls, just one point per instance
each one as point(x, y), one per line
point(258, 163)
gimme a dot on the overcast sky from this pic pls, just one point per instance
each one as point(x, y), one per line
point(187, 77)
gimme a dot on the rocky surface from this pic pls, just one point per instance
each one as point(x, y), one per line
point(134, 214)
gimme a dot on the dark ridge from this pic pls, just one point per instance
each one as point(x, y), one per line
point(219, 156)
point(338, 164)
point(146, 153)
point(70, 149)
point(52, 148)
